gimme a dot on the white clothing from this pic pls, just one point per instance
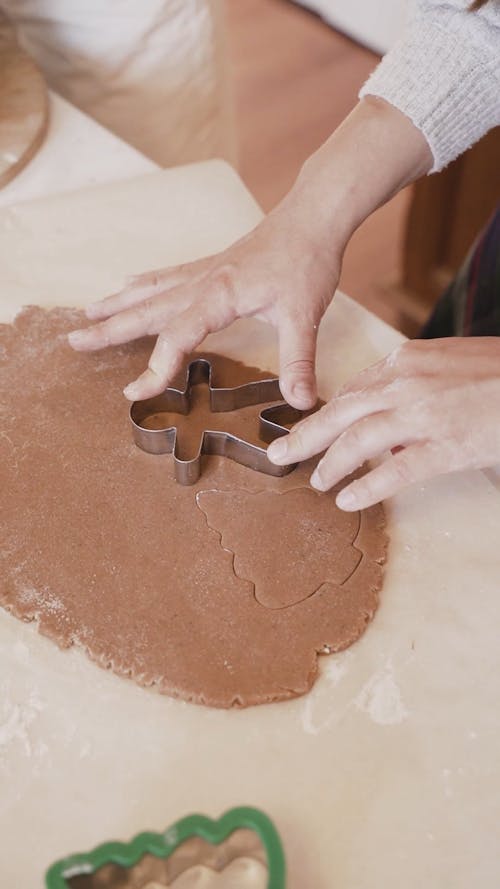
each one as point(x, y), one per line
point(153, 71)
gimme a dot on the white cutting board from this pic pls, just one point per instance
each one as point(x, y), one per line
point(386, 774)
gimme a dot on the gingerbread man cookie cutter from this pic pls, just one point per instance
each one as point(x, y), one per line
point(273, 422)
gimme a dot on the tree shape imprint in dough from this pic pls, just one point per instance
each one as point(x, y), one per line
point(288, 545)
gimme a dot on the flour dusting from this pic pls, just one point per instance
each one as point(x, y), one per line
point(16, 719)
point(42, 598)
point(381, 699)
point(333, 671)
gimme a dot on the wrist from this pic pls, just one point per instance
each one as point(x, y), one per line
point(374, 153)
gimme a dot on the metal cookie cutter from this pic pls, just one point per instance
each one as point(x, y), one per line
point(272, 422)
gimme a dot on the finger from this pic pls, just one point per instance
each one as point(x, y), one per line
point(415, 463)
point(317, 432)
point(144, 286)
point(173, 275)
point(124, 299)
point(364, 440)
point(297, 343)
point(182, 335)
point(147, 317)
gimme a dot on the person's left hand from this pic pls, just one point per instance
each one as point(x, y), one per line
point(432, 406)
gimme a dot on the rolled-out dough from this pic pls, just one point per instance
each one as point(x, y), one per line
point(105, 550)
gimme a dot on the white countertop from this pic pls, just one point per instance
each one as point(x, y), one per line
point(386, 774)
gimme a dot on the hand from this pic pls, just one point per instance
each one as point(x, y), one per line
point(279, 273)
point(285, 271)
point(435, 404)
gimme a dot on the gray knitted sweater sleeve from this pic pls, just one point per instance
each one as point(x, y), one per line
point(444, 74)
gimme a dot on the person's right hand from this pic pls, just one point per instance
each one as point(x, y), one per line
point(279, 272)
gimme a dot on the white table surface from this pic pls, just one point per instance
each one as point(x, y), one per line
point(77, 152)
point(387, 773)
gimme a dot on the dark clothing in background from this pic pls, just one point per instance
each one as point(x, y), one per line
point(471, 304)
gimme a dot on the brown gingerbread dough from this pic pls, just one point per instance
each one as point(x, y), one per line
point(221, 593)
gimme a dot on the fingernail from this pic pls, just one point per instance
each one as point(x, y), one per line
point(302, 389)
point(277, 449)
point(316, 481)
point(347, 500)
point(131, 391)
point(76, 338)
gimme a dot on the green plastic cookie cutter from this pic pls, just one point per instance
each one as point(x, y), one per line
point(161, 845)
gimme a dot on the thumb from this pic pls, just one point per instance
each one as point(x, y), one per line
point(297, 345)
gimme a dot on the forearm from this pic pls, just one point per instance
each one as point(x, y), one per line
point(373, 154)
point(444, 74)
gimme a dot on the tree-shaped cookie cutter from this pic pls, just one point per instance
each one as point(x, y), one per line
point(163, 845)
point(272, 423)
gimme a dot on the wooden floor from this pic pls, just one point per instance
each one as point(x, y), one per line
point(294, 80)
